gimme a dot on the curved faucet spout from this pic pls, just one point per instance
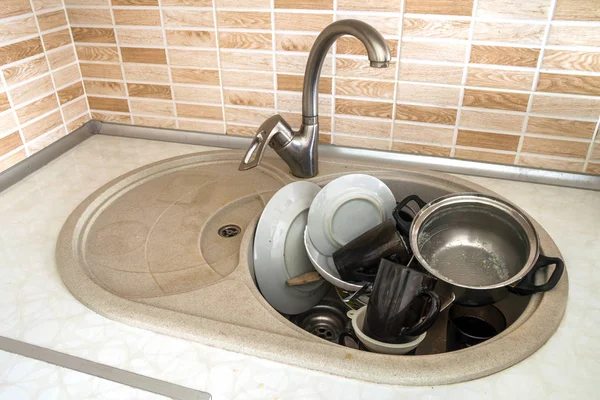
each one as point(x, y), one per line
point(377, 50)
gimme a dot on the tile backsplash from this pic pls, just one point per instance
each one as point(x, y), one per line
point(506, 81)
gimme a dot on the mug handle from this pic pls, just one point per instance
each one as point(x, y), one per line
point(527, 285)
point(402, 225)
point(429, 319)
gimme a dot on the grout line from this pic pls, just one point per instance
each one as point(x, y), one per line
point(121, 62)
point(464, 78)
point(536, 78)
point(164, 36)
point(591, 148)
point(397, 73)
point(274, 57)
point(218, 48)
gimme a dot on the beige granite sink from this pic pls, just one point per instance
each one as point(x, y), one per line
point(145, 250)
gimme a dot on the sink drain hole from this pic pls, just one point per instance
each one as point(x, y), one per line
point(229, 231)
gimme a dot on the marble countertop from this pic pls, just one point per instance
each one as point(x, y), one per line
point(36, 308)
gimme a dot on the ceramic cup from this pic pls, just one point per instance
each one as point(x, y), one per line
point(468, 326)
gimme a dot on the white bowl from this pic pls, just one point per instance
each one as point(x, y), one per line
point(326, 267)
point(358, 320)
point(346, 208)
point(279, 251)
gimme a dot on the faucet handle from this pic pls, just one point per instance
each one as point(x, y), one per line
point(273, 129)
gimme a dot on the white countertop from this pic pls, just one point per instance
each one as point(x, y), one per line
point(35, 307)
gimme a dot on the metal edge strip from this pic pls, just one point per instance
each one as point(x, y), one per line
point(36, 161)
point(441, 164)
point(113, 374)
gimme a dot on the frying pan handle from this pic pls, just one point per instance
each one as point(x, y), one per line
point(429, 319)
point(527, 285)
point(403, 225)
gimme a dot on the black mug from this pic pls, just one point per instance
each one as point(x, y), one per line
point(402, 305)
point(468, 326)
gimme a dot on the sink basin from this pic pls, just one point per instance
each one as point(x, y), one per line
point(168, 247)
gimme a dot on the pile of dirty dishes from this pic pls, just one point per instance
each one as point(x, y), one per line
point(388, 264)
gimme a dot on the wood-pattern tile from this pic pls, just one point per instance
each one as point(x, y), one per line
point(146, 72)
point(108, 104)
point(305, 4)
point(291, 102)
point(572, 60)
point(500, 79)
point(296, 63)
point(418, 133)
point(70, 93)
point(351, 45)
point(305, 22)
point(66, 75)
point(243, 40)
point(496, 100)
point(481, 120)
point(93, 35)
point(289, 42)
point(526, 33)
point(424, 149)
point(167, 123)
point(17, 28)
point(596, 151)
point(42, 5)
point(358, 5)
point(563, 148)
point(443, 7)
point(294, 83)
point(42, 126)
point(485, 156)
point(97, 53)
point(13, 159)
point(486, 140)
point(136, 36)
point(103, 71)
point(10, 142)
point(386, 24)
point(8, 123)
point(149, 91)
point(593, 168)
point(243, 130)
point(56, 39)
point(366, 128)
point(435, 28)
point(191, 38)
point(52, 20)
point(196, 76)
point(428, 94)
point(248, 79)
point(361, 88)
point(77, 123)
point(135, 2)
point(415, 72)
point(569, 35)
point(236, 3)
point(137, 17)
point(187, 18)
point(577, 10)
point(20, 50)
point(198, 111)
point(110, 117)
point(202, 126)
point(25, 93)
point(52, 137)
point(156, 108)
point(248, 116)
point(75, 108)
point(4, 104)
point(364, 108)
point(89, 16)
point(143, 55)
point(193, 58)
point(349, 67)
point(197, 94)
point(502, 55)
point(246, 61)
point(570, 107)
point(26, 70)
point(531, 9)
point(573, 84)
point(249, 99)
point(366, 143)
point(549, 163)
point(561, 127)
point(10, 8)
point(432, 115)
point(452, 52)
point(37, 108)
point(104, 88)
point(245, 19)
point(62, 57)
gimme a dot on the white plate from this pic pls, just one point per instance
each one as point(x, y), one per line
point(325, 266)
point(346, 208)
point(279, 252)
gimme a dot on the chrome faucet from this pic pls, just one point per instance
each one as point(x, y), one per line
point(300, 149)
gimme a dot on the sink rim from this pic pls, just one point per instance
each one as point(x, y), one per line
point(535, 326)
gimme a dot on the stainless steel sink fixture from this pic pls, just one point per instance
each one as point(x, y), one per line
point(159, 248)
point(300, 149)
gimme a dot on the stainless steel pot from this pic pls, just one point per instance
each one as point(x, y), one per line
point(483, 246)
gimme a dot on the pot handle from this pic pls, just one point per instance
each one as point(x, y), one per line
point(429, 319)
point(527, 285)
point(403, 225)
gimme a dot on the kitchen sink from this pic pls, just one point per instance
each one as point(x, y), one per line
point(168, 247)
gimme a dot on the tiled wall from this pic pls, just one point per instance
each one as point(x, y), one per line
point(509, 81)
point(41, 94)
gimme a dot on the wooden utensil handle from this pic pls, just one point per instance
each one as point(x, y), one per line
point(309, 277)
